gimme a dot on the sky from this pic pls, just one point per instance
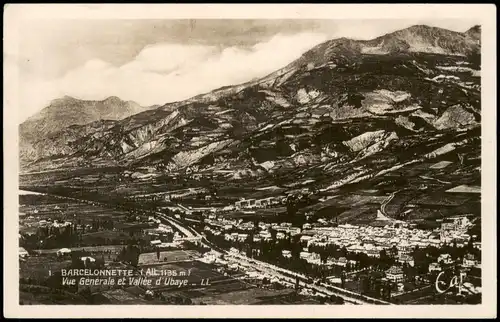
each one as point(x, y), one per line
point(160, 61)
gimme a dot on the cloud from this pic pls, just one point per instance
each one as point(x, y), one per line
point(166, 72)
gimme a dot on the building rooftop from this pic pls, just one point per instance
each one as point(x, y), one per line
point(394, 270)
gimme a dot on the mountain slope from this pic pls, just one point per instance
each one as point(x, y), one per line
point(61, 117)
point(413, 84)
point(422, 38)
point(67, 111)
point(61, 142)
point(474, 33)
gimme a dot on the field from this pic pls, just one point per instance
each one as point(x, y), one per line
point(115, 249)
point(419, 194)
point(118, 296)
point(420, 190)
point(267, 214)
point(41, 295)
point(146, 259)
point(34, 208)
point(242, 297)
point(39, 268)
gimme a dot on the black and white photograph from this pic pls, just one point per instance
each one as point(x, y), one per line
point(251, 161)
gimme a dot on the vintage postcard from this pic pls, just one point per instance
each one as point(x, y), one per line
point(250, 160)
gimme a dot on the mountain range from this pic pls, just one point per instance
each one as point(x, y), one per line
point(51, 131)
point(401, 97)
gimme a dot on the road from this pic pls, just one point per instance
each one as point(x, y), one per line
point(279, 272)
point(324, 288)
point(382, 215)
point(386, 202)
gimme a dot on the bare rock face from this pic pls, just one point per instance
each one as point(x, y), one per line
point(455, 117)
point(474, 33)
point(370, 143)
point(364, 140)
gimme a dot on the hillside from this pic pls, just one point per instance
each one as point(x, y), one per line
point(49, 131)
point(474, 33)
point(343, 101)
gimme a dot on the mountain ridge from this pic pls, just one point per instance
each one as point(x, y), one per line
point(323, 91)
point(231, 88)
point(67, 110)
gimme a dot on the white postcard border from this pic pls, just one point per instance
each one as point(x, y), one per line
point(14, 15)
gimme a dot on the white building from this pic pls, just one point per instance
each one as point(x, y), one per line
point(342, 261)
point(155, 242)
point(445, 258)
point(395, 274)
point(305, 239)
point(22, 252)
point(304, 255)
point(405, 258)
point(265, 235)
point(470, 261)
point(434, 267)
point(63, 251)
point(242, 237)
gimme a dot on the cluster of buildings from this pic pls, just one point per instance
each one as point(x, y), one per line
point(370, 240)
point(46, 227)
point(357, 239)
point(259, 203)
point(445, 260)
point(396, 274)
point(315, 258)
point(237, 230)
point(454, 229)
point(171, 195)
point(159, 243)
point(158, 229)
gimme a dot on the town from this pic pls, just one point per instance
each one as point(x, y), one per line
point(394, 262)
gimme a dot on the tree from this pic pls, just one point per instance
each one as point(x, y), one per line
point(99, 261)
point(365, 284)
point(273, 233)
point(470, 245)
point(323, 256)
point(385, 261)
point(342, 279)
point(256, 224)
point(387, 290)
point(343, 251)
point(394, 251)
point(474, 58)
point(130, 254)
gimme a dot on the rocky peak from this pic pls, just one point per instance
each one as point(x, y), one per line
point(113, 100)
point(474, 32)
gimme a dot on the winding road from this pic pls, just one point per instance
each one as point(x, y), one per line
point(386, 202)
